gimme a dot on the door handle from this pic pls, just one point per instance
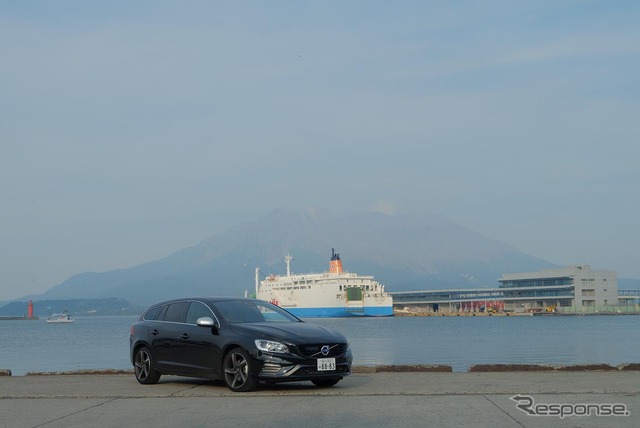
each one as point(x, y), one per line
point(154, 332)
point(184, 336)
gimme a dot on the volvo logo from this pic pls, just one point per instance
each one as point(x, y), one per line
point(325, 350)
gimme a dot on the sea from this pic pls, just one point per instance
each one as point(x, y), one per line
point(99, 343)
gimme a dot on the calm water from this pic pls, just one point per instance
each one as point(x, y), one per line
point(103, 342)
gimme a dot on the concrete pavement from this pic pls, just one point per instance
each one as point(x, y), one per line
point(403, 399)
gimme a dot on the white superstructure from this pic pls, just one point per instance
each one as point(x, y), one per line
point(331, 294)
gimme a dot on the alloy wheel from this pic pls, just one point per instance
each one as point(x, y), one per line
point(237, 375)
point(143, 367)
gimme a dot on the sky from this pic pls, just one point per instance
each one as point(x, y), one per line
point(132, 129)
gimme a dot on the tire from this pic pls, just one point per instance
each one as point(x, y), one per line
point(324, 383)
point(143, 367)
point(237, 371)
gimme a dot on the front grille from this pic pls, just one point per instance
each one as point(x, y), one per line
point(315, 350)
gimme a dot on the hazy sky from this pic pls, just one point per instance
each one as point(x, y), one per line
point(132, 129)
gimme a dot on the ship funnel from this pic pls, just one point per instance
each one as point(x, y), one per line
point(335, 265)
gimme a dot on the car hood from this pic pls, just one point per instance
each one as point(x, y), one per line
point(292, 332)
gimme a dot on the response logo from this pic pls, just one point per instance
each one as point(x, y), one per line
point(527, 404)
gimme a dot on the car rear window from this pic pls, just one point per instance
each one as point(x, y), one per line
point(152, 314)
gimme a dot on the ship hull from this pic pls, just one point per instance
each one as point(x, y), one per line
point(340, 312)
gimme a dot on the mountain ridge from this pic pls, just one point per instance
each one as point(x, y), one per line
point(404, 252)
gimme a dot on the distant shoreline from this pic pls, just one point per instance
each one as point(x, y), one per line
point(9, 318)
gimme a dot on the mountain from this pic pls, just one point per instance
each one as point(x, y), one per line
point(404, 252)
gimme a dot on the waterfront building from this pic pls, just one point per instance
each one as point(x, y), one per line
point(449, 301)
point(571, 289)
point(576, 286)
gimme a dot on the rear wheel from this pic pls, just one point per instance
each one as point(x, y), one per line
point(325, 382)
point(237, 371)
point(143, 367)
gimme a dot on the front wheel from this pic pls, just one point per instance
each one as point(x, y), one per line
point(237, 371)
point(325, 382)
point(143, 367)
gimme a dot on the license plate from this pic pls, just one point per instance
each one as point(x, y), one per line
point(326, 364)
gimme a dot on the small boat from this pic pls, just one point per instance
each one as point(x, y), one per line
point(60, 318)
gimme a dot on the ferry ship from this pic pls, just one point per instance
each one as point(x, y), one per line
point(325, 295)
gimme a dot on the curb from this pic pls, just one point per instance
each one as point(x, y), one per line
point(81, 372)
point(416, 368)
point(403, 369)
point(492, 368)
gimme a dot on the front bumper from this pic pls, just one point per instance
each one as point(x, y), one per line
point(290, 367)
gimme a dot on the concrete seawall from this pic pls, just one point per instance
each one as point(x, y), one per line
point(417, 368)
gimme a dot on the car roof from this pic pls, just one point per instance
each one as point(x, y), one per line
point(214, 299)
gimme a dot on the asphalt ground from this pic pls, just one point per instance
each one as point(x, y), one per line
point(401, 399)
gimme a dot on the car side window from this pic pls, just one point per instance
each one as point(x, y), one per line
point(198, 310)
point(152, 314)
point(176, 311)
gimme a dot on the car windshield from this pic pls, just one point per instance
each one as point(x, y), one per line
point(243, 311)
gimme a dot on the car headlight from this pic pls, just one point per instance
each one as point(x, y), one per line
point(269, 346)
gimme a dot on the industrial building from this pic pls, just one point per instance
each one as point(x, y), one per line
point(576, 286)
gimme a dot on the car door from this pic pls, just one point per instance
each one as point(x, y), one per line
point(167, 342)
point(201, 347)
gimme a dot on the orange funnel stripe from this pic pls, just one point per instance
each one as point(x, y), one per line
point(335, 266)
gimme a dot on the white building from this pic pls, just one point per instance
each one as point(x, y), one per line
point(576, 286)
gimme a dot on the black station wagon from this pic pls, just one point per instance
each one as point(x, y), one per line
point(240, 341)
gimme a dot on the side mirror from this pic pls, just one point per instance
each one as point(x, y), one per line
point(209, 322)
